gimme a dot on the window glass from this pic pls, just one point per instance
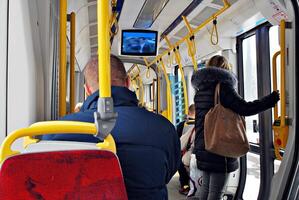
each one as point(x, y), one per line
point(250, 85)
point(250, 94)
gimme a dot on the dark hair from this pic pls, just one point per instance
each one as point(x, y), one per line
point(218, 61)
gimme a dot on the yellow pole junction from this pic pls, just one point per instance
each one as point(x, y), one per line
point(168, 92)
point(72, 62)
point(178, 60)
point(191, 43)
point(62, 58)
point(104, 48)
point(207, 21)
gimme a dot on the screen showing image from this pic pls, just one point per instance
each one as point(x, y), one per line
point(139, 42)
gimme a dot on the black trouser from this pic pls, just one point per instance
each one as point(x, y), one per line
point(184, 176)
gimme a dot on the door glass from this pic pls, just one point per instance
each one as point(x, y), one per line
point(250, 94)
point(250, 85)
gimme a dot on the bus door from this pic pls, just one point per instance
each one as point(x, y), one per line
point(254, 72)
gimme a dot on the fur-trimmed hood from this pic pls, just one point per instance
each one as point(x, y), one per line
point(209, 75)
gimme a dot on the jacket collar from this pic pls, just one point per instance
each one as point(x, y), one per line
point(212, 75)
point(122, 96)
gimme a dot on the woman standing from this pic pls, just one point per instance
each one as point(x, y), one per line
point(215, 168)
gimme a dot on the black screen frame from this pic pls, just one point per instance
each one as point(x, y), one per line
point(123, 53)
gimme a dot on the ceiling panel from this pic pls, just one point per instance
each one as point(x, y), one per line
point(182, 32)
point(220, 2)
point(93, 40)
point(93, 29)
point(203, 15)
point(92, 13)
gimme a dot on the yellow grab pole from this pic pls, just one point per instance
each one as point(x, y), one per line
point(141, 90)
point(169, 97)
point(207, 21)
point(72, 62)
point(191, 43)
point(178, 60)
point(282, 71)
point(62, 58)
point(104, 48)
point(274, 78)
point(158, 91)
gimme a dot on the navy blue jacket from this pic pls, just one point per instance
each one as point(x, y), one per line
point(147, 144)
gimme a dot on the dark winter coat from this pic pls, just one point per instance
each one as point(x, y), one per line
point(204, 81)
point(148, 147)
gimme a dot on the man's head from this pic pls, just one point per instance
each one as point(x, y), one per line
point(118, 74)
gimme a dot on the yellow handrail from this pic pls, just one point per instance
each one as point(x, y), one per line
point(53, 127)
point(274, 78)
point(168, 91)
point(72, 62)
point(191, 43)
point(104, 48)
point(282, 66)
point(280, 128)
point(158, 92)
point(178, 60)
point(276, 130)
point(211, 18)
point(62, 58)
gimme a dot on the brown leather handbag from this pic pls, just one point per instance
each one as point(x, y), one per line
point(225, 130)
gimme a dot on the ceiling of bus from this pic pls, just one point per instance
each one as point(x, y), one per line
point(86, 29)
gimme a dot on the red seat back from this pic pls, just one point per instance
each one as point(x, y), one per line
point(65, 175)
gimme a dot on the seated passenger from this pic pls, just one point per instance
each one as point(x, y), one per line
point(181, 129)
point(147, 144)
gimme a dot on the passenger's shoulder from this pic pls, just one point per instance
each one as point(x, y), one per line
point(79, 116)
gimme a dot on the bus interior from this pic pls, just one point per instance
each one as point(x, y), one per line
point(46, 44)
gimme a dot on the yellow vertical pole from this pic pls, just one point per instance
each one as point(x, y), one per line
point(282, 65)
point(141, 90)
point(104, 48)
point(158, 91)
point(168, 92)
point(62, 58)
point(178, 60)
point(72, 62)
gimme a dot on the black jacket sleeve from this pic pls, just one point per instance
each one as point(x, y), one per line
point(229, 98)
point(180, 128)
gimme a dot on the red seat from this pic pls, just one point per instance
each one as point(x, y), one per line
point(65, 175)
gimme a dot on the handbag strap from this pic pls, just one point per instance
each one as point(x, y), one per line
point(217, 95)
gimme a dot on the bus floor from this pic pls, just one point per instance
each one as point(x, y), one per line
point(173, 189)
point(252, 180)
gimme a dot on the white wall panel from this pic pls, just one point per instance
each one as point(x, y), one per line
point(3, 54)
point(25, 69)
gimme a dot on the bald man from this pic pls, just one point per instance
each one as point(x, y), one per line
point(147, 144)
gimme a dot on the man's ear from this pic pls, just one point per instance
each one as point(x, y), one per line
point(87, 89)
point(127, 82)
